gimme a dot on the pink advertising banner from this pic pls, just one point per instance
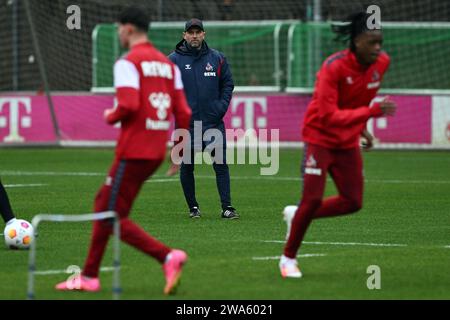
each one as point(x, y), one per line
point(26, 118)
point(412, 122)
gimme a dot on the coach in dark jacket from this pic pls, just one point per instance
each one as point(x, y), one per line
point(208, 85)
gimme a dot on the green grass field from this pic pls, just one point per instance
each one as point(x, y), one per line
point(407, 201)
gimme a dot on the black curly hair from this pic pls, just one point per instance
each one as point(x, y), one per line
point(354, 25)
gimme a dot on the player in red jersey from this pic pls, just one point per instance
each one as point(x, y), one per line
point(335, 119)
point(149, 90)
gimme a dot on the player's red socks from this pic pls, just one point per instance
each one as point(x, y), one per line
point(302, 219)
point(130, 233)
point(135, 236)
point(99, 240)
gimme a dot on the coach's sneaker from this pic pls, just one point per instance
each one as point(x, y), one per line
point(80, 283)
point(288, 216)
point(194, 212)
point(230, 213)
point(289, 268)
point(172, 269)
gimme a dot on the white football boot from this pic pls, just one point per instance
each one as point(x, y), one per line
point(288, 216)
point(289, 268)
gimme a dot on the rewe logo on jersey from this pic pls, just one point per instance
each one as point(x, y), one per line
point(372, 85)
point(156, 69)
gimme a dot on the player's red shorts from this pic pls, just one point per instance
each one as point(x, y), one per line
point(345, 166)
point(122, 185)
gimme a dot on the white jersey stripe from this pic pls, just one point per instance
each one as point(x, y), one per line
point(178, 81)
point(126, 74)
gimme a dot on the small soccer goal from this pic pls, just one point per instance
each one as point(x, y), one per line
point(32, 269)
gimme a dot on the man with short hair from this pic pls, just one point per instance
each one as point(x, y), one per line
point(149, 90)
point(209, 87)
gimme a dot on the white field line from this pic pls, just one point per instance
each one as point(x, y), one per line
point(50, 173)
point(392, 181)
point(162, 180)
point(212, 176)
point(50, 272)
point(25, 185)
point(296, 179)
point(307, 255)
point(408, 181)
point(447, 247)
point(344, 243)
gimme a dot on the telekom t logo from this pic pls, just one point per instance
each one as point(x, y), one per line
point(15, 119)
point(250, 104)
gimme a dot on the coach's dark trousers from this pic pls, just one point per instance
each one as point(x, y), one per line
point(219, 164)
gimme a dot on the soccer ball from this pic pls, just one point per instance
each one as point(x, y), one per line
point(19, 234)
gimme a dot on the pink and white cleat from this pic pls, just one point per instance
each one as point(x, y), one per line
point(79, 283)
point(172, 270)
point(289, 268)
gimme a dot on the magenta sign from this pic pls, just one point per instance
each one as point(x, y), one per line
point(26, 118)
point(81, 117)
point(282, 112)
point(412, 122)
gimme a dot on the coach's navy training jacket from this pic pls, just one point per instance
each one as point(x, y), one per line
point(207, 81)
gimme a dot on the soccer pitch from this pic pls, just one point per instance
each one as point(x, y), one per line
point(404, 228)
